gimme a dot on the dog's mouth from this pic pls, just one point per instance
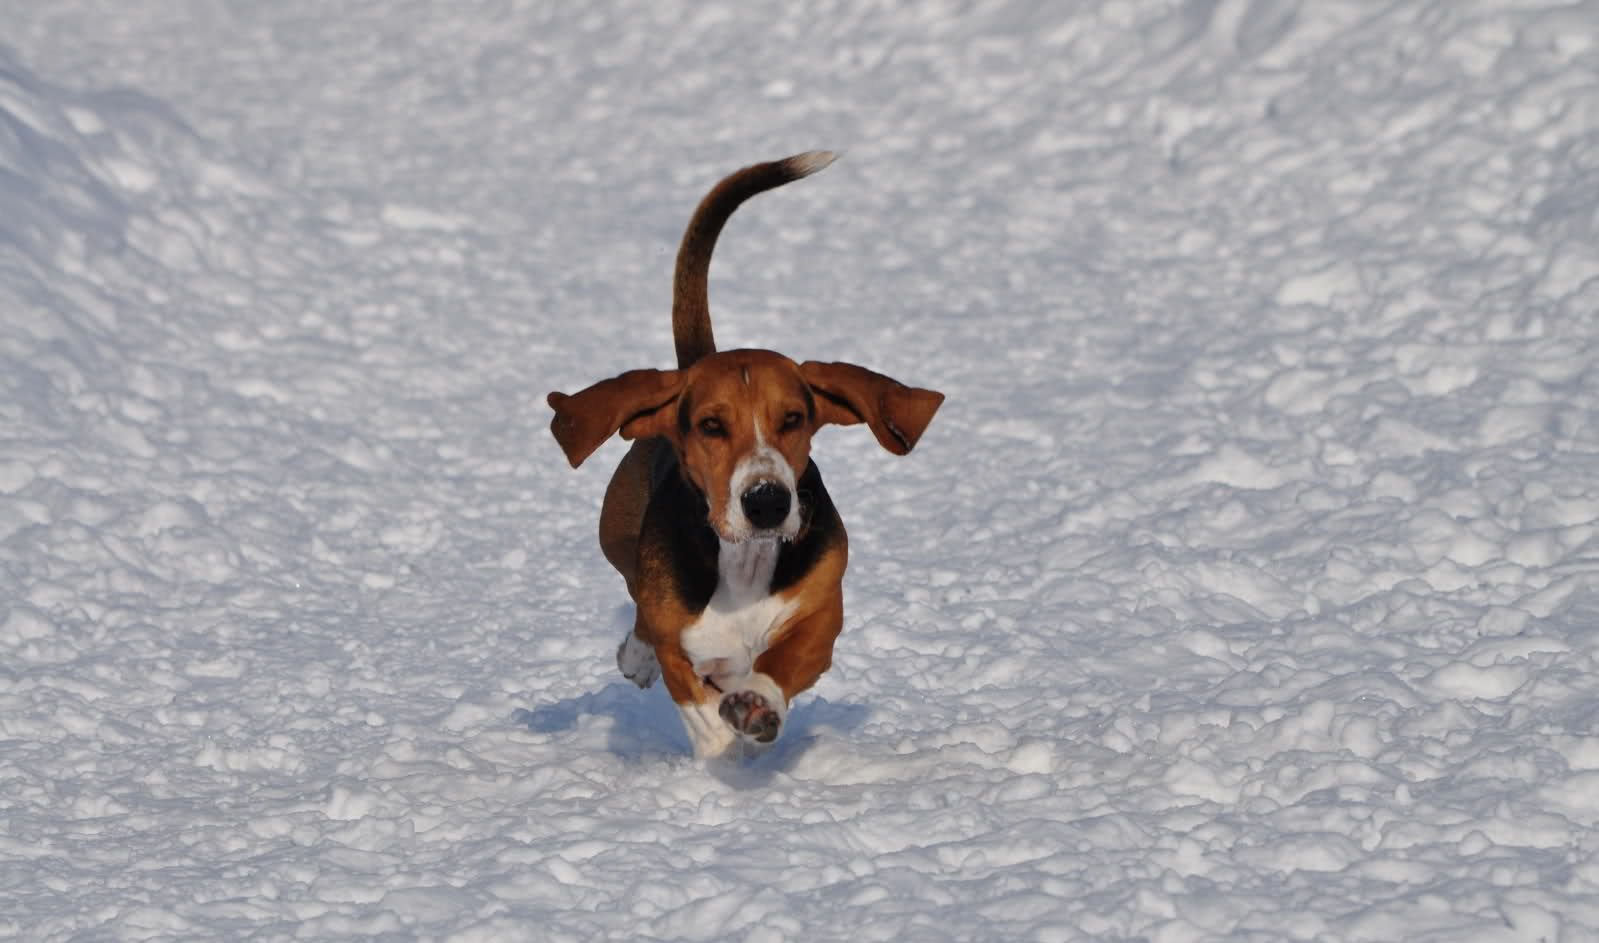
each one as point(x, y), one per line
point(752, 537)
point(742, 533)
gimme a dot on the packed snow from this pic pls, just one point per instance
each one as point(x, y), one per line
point(1245, 588)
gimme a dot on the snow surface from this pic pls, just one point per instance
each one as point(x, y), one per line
point(1245, 588)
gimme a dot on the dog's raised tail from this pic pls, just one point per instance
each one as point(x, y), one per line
point(691, 309)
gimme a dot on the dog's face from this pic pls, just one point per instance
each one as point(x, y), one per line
point(741, 424)
point(743, 438)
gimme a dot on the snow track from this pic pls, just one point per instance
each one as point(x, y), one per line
point(1245, 588)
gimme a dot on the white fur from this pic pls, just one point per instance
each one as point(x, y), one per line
point(735, 628)
point(636, 659)
point(811, 161)
point(764, 463)
point(738, 622)
point(707, 731)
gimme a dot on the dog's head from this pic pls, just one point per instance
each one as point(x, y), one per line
point(741, 423)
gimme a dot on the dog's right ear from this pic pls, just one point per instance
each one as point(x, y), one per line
point(634, 404)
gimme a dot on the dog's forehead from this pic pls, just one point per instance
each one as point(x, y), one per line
point(744, 376)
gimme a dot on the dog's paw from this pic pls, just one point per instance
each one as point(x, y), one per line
point(751, 715)
point(636, 660)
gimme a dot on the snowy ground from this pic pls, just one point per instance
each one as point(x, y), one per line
point(1245, 588)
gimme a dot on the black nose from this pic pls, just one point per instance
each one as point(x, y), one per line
point(766, 504)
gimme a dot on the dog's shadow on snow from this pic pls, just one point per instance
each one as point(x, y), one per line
point(644, 726)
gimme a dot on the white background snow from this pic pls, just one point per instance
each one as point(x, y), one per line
point(1245, 588)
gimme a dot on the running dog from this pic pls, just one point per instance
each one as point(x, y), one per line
point(716, 518)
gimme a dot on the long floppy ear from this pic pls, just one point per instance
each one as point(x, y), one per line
point(846, 394)
point(633, 403)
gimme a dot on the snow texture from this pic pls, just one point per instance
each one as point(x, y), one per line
point(1245, 588)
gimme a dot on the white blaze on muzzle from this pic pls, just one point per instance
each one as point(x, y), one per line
point(763, 467)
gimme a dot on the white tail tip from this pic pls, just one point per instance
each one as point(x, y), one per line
point(810, 162)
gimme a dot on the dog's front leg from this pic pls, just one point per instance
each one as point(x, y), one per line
point(696, 702)
point(800, 654)
point(755, 701)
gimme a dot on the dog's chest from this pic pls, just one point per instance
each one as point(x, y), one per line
point(743, 614)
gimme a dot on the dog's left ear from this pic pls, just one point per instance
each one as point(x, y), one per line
point(846, 394)
point(634, 404)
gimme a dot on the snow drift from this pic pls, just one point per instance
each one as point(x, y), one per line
point(1246, 587)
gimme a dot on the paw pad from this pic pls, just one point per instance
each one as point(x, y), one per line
point(750, 714)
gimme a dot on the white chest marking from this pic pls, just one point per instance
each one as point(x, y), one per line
point(739, 621)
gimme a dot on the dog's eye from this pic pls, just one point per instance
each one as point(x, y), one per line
point(792, 420)
point(712, 427)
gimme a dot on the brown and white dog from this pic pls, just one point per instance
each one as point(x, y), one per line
point(716, 517)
